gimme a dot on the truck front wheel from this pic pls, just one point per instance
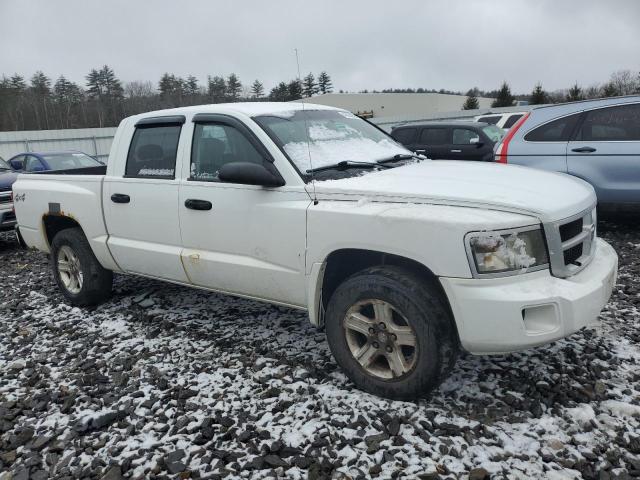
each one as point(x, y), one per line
point(79, 275)
point(390, 333)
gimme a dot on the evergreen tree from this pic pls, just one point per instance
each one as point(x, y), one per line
point(609, 90)
point(17, 84)
point(41, 84)
point(279, 93)
point(324, 83)
point(171, 87)
point(471, 103)
point(234, 87)
point(257, 89)
point(575, 94)
point(504, 97)
point(309, 86)
point(538, 96)
point(294, 90)
point(104, 83)
point(65, 91)
point(217, 89)
point(191, 87)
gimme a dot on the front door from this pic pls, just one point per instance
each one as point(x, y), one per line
point(606, 153)
point(241, 239)
point(467, 144)
point(141, 203)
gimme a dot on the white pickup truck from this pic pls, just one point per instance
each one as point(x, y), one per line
point(404, 261)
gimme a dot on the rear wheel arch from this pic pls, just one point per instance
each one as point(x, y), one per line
point(54, 224)
point(342, 264)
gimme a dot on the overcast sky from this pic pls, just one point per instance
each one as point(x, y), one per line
point(369, 44)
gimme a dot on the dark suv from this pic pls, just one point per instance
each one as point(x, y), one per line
point(453, 140)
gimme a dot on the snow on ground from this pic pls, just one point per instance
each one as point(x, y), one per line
point(163, 382)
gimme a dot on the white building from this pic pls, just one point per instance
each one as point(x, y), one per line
point(374, 105)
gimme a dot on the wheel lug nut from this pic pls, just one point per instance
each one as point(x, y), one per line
point(394, 336)
point(382, 325)
point(389, 349)
point(375, 345)
point(371, 330)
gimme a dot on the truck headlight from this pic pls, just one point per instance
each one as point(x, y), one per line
point(507, 252)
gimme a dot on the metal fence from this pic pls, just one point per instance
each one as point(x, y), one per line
point(94, 141)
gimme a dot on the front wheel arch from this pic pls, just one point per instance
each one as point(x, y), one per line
point(342, 264)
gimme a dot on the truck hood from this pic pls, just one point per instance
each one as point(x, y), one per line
point(547, 195)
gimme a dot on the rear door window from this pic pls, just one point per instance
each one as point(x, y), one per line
point(434, 136)
point(405, 136)
point(152, 153)
point(511, 121)
point(620, 123)
point(559, 130)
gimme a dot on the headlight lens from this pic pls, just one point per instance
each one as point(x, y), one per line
point(513, 251)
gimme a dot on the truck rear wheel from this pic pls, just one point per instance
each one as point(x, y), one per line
point(79, 275)
point(390, 333)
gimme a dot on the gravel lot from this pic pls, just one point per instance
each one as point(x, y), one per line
point(166, 382)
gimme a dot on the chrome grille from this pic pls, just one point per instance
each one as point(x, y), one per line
point(5, 197)
point(571, 243)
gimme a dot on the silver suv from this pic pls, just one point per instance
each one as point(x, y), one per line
point(596, 140)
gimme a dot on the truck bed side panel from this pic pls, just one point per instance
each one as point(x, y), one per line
point(78, 197)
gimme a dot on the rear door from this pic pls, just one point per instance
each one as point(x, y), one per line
point(434, 142)
point(605, 151)
point(545, 146)
point(141, 201)
point(407, 136)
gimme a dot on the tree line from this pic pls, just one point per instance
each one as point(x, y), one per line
point(622, 82)
point(104, 100)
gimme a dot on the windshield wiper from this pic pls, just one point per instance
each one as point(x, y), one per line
point(398, 157)
point(345, 164)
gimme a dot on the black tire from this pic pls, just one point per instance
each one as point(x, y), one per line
point(97, 281)
point(422, 307)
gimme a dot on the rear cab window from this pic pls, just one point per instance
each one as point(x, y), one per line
point(154, 148)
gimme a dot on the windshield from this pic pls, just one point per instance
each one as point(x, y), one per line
point(4, 165)
point(66, 161)
point(317, 138)
point(494, 133)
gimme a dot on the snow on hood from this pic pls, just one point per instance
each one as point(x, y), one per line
point(549, 196)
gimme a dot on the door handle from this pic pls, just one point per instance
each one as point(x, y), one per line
point(421, 151)
point(120, 198)
point(456, 151)
point(583, 150)
point(194, 204)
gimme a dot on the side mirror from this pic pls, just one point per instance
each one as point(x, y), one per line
point(17, 164)
point(476, 141)
point(248, 173)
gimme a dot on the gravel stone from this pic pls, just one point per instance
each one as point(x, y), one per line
point(163, 381)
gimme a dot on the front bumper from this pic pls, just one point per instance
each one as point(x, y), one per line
point(7, 219)
point(507, 314)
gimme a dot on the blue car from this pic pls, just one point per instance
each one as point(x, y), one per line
point(40, 162)
point(7, 215)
